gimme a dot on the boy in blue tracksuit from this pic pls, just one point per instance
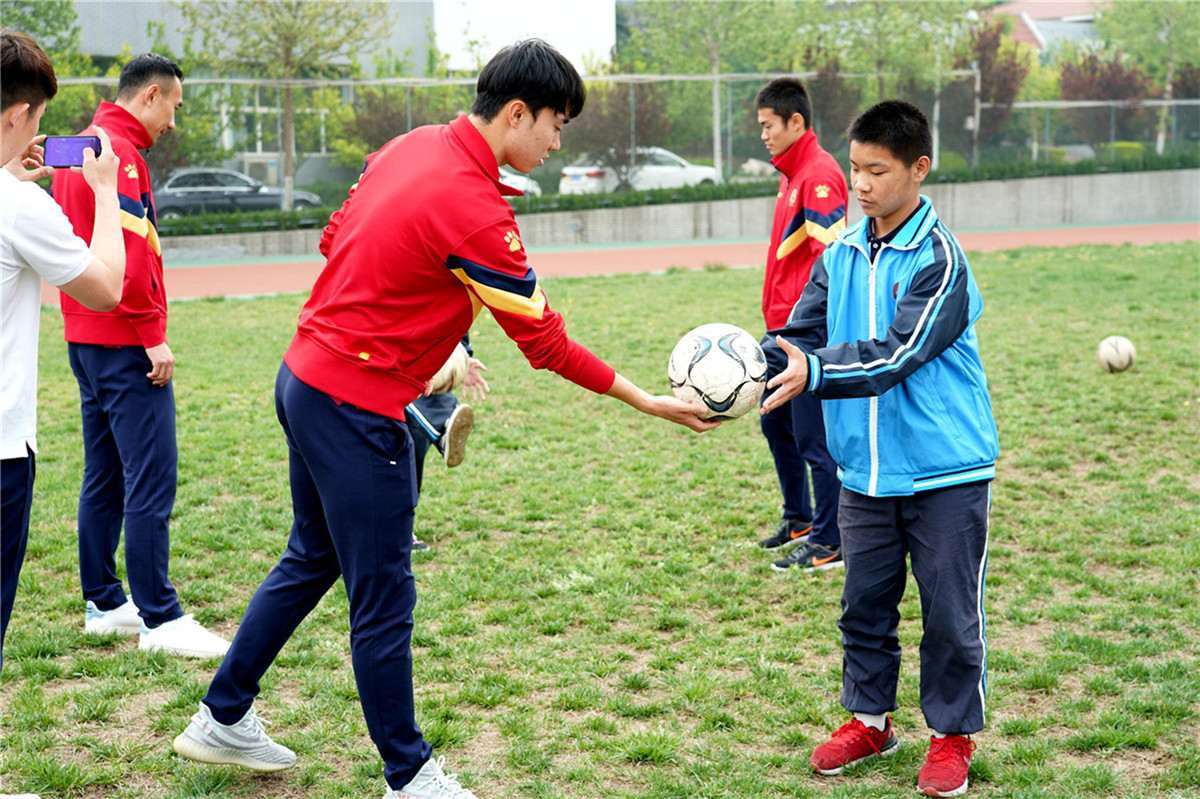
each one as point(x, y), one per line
point(884, 336)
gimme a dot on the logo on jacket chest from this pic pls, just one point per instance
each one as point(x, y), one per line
point(793, 197)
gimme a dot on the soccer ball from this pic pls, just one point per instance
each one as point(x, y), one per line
point(1116, 354)
point(453, 371)
point(720, 365)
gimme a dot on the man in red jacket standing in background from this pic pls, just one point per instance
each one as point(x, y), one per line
point(809, 213)
point(423, 244)
point(124, 367)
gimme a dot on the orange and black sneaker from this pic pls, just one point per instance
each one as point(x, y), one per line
point(945, 769)
point(853, 743)
point(791, 532)
point(810, 558)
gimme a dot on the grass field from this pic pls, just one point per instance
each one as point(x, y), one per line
point(594, 618)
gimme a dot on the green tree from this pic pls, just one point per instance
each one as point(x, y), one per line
point(696, 39)
point(606, 128)
point(287, 40)
point(1160, 37)
point(912, 42)
point(54, 25)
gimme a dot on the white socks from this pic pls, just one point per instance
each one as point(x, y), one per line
point(878, 722)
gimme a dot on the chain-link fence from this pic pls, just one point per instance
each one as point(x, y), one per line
point(709, 120)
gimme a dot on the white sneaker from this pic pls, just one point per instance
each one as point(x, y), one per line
point(19, 795)
point(243, 744)
point(454, 439)
point(432, 783)
point(183, 636)
point(124, 619)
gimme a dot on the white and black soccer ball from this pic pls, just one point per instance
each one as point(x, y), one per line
point(1116, 354)
point(720, 365)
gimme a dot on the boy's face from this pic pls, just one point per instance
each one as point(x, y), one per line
point(533, 138)
point(885, 188)
point(778, 133)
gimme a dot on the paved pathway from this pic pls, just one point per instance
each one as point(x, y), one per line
point(293, 275)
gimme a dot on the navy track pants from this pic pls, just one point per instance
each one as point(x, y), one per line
point(353, 495)
point(130, 464)
point(945, 534)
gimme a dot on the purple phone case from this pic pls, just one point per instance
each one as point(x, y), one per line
point(62, 151)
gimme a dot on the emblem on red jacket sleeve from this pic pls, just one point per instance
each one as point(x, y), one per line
point(514, 240)
point(131, 171)
point(822, 191)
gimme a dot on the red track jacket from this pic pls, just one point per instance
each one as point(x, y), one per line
point(810, 211)
point(424, 242)
point(141, 318)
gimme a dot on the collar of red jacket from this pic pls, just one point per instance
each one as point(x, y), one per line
point(120, 124)
point(477, 147)
point(790, 160)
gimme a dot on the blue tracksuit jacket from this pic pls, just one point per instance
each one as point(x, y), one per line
point(893, 355)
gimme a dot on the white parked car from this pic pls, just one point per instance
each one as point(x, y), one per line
point(518, 181)
point(660, 169)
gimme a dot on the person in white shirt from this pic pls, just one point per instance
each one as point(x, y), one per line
point(37, 242)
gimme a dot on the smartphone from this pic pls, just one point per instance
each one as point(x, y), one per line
point(68, 150)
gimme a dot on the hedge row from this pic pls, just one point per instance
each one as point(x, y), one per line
point(1008, 170)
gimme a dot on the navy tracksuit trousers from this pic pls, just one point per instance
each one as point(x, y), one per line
point(427, 417)
point(16, 502)
point(945, 534)
point(353, 496)
point(796, 435)
point(130, 466)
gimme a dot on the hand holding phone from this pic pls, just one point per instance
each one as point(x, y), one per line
point(68, 150)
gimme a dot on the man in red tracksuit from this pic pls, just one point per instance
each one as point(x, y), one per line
point(124, 367)
point(423, 244)
point(809, 213)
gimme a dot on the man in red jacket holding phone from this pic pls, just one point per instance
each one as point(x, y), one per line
point(423, 244)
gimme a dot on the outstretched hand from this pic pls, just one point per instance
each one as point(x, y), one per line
point(791, 381)
point(681, 412)
point(474, 384)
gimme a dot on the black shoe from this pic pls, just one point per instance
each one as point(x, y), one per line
point(417, 544)
point(811, 558)
point(790, 533)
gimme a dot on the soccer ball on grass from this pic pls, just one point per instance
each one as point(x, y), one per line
point(1116, 354)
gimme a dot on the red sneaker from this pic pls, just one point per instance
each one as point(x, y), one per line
point(945, 769)
point(853, 743)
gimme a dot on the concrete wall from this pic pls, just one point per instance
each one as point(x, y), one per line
point(991, 205)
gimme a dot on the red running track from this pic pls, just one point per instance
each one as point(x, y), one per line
point(251, 278)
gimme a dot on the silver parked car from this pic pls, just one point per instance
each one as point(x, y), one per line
point(659, 169)
point(524, 183)
point(196, 190)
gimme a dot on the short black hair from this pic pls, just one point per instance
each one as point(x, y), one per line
point(145, 69)
point(28, 74)
point(896, 125)
point(533, 72)
point(785, 96)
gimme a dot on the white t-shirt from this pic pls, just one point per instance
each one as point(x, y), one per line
point(36, 241)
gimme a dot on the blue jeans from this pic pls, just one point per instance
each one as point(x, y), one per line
point(353, 494)
point(129, 474)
